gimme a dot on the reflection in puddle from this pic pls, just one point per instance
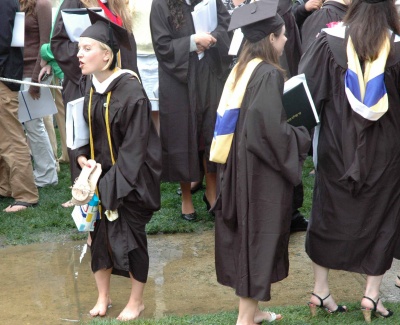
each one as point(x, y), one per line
point(52, 283)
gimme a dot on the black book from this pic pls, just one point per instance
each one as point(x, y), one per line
point(298, 103)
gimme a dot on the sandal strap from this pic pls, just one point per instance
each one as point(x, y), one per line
point(373, 302)
point(321, 301)
point(273, 316)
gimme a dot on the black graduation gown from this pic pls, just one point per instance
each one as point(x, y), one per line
point(255, 189)
point(292, 51)
point(132, 185)
point(189, 89)
point(331, 11)
point(65, 51)
point(355, 218)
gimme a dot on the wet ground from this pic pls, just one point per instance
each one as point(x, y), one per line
point(52, 283)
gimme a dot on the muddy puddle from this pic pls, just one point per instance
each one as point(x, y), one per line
point(52, 283)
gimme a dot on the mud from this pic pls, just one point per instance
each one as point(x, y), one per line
point(52, 283)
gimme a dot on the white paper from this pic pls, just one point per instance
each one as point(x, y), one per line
point(236, 42)
point(293, 82)
point(18, 37)
point(205, 16)
point(30, 109)
point(76, 21)
point(76, 126)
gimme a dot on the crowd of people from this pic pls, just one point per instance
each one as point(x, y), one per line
point(166, 102)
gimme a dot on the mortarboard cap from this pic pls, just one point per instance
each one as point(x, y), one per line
point(257, 19)
point(106, 32)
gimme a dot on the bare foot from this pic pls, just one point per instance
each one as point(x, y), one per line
point(268, 316)
point(131, 311)
point(68, 204)
point(366, 303)
point(14, 208)
point(100, 309)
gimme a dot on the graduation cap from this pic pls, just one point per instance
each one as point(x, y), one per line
point(257, 19)
point(106, 32)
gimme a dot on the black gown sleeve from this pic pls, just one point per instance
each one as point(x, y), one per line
point(121, 178)
point(269, 137)
point(64, 50)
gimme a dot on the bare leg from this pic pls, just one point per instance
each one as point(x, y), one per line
point(247, 311)
point(102, 278)
point(135, 304)
point(211, 184)
point(187, 204)
point(397, 283)
point(372, 291)
point(321, 288)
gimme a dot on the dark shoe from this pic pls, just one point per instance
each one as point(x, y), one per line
point(189, 216)
point(313, 307)
point(193, 190)
point(368, 311)
point(299, 224)
point(208, 205)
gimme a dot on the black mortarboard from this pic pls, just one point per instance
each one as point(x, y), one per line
point(257, 19)
point(106, 32)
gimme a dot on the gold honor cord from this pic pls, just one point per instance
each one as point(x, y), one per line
point(91, 134)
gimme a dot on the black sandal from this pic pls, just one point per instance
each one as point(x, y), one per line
point(313, 307)
point(367, 312)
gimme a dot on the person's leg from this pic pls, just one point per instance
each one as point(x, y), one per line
point(321, 294)
point(49, 126)
point(5, 189)
point(135, 304)
point(14, 150)
point(247, 311)
point(211, 184)
point(188, 212)
point(60, 119)
point(45, 171)
point(102, 278)
point(372, 290)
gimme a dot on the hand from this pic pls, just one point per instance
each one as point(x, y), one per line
point(45, 70)
point(82, 161)
point(42, 63)
point(34, 91)
point(312, 5)
point(204, 41)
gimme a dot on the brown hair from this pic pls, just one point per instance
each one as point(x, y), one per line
point(263, 50)
point(28, 6)
point(118, 7)
point(368, 25)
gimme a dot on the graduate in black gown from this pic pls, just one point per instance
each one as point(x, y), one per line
point(263, 164)
point(65, 51)
point(332, 12)
point(353, 72)
point(192, 70)
point(125, 142)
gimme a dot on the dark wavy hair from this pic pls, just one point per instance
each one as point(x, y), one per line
point(176, 12)
point(368, 25)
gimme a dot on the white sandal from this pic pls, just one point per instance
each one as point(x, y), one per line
point(85, 185)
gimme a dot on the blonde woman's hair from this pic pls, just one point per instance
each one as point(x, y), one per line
point(118, 7)
point(110, 62)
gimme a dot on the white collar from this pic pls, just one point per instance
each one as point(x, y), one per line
point(101, 87)
point(103, 1)
point(189, 2)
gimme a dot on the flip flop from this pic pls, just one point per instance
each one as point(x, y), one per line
point(68, 204)
point(92, 183)
point(81, 189)
point(22, 205)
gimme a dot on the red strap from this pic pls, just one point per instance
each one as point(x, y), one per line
point(114, 18)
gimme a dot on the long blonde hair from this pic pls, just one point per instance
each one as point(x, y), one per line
point(118, 7)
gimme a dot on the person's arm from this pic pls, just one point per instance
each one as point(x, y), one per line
point(301, 9)
point(64, 50)
point(122, 177)
point(8, 9)
point(269, 137)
